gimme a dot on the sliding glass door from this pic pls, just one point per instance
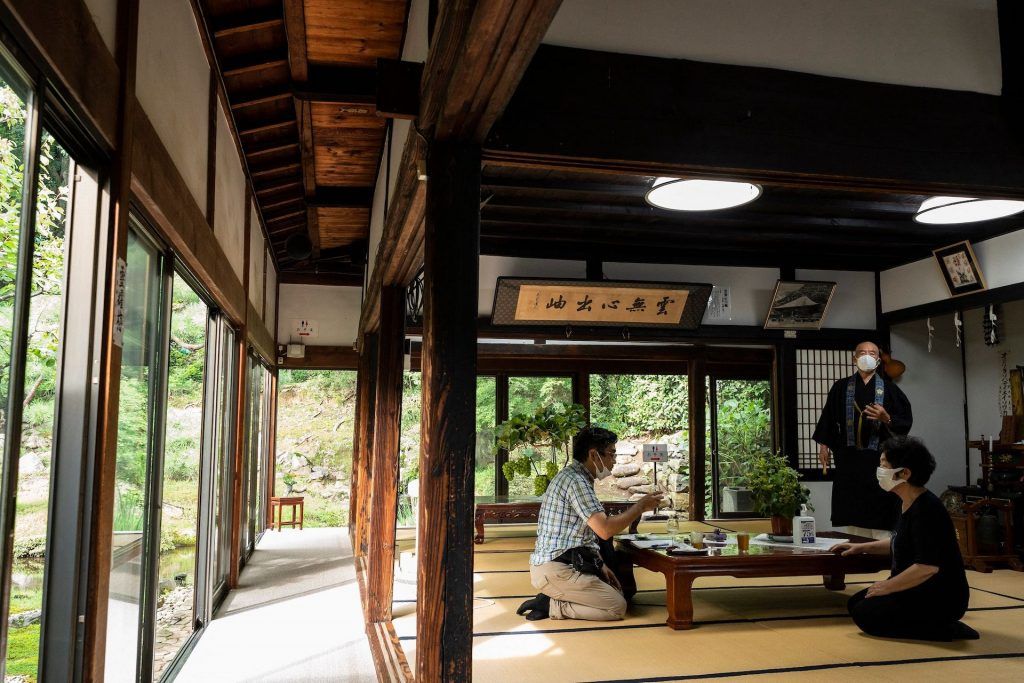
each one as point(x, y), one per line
point(739, 426)
point(48, 221)
point(138, 442)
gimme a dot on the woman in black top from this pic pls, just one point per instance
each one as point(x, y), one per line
point(927, 593)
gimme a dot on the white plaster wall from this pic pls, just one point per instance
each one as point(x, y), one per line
point(415, 50)
point(853, 305)
point(912, 284)
point(984, 370)
point(104, 15)
point(921, 282)
point(934, 384)
point(416, 45)
point(173, 86)
point(400, 131)
point(492, 267)
point(377, 210)
point(270, 293)
point(751, 287)
point(257, 252)
point(335, 310)
point(229, 198)
point(950, 44)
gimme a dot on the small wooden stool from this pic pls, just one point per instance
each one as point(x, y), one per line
point(277, 505)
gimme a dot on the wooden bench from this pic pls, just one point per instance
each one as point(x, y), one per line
point(527, 509)
point(277, 505)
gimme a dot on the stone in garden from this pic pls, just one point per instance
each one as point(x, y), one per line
point(173, 511)
point(318, 473)
point(626, 482)
point(625, 448)
point(623, 459)
point(678, 482)
point(26, 618)
point(30, 464)
point(626, 470)
point(636, 496)
point(643, 488)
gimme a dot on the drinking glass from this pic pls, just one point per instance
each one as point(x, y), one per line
point(672, 524)
point(743, 542)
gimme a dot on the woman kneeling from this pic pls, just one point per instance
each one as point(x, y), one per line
point(927, 593)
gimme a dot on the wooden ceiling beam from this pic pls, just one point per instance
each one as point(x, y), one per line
point(262, 99)
point(295, 29)
point(288, 277)
point(275, 148)
point(478, 54)
point(247, 27)
point(277, 125)
point(284, 216)
point(683, 254)
point(268, 206)
point(279, 187)
point(580, 109)
point(339, 84)
point(275, 171)
point(775, 237)
point(260, 64)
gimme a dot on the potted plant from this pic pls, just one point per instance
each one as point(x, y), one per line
point(551, 427)
point(776, 491)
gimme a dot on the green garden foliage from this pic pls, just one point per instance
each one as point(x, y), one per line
point(551, 426)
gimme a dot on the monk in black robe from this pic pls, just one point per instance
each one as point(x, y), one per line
point(861, 412)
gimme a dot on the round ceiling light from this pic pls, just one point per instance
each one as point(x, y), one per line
point(950, 210)
point(678, 194)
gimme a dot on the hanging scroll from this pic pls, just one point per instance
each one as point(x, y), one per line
point(607, 303)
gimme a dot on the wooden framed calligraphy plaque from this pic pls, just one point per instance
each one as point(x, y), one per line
point(603, 303)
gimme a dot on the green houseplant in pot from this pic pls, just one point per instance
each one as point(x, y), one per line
point(776, 491)
point(550, 427)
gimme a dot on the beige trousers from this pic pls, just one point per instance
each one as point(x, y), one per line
point(575, 595)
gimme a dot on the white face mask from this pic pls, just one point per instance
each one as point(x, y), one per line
point(867, 363)
point(602, 471)
point(887, 478)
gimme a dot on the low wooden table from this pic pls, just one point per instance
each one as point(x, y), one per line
point(277, 505)
point(527, 509)
point(680, 572)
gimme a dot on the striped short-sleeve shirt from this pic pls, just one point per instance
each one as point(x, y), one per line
point(567, 505)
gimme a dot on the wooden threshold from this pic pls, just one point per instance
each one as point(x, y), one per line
point(388, 657)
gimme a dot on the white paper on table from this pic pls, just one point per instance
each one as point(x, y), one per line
point(652, 544)
point(820, 543)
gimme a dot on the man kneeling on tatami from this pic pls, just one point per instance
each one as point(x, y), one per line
point(566, 566)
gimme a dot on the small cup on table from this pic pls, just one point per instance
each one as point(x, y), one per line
point(697, 539)
point(743, 541)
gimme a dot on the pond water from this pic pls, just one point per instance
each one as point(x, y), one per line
point(28, 576)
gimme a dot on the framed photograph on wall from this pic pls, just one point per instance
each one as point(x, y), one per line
point(959, 267)
point(799, 304)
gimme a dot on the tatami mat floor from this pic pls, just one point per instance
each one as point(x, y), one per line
point(773, 629)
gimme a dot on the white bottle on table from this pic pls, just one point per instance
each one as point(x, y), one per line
point(803, 528)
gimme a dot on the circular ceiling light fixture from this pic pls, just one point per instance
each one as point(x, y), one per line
point(679, 194)
point(950, 210)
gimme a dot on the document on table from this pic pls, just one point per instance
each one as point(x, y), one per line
point(652, 544)
point(820, 543)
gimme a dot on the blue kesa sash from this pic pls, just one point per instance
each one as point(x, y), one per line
point(852, 423)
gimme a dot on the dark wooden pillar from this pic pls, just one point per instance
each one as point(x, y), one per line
point(386, 431)
point(698, 427)
point(109, 389)
point(444, 624)
point(361, 467)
